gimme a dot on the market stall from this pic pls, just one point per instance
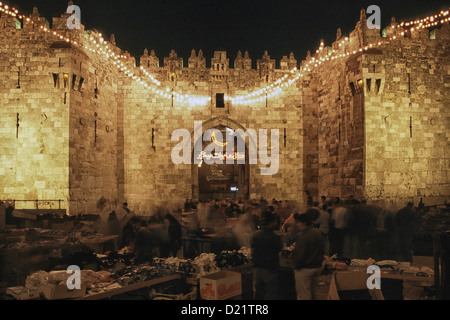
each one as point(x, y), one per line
point(118, 275)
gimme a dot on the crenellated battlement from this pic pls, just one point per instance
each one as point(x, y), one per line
point(83, 120)
point(26, 27)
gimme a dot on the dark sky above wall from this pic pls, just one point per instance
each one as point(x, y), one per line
point(278, 26)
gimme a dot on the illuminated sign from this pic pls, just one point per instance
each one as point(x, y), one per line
point(221, 156)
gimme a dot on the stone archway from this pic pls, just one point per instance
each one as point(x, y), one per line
point(229, 176)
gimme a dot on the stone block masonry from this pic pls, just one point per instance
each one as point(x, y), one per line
point(373, 124)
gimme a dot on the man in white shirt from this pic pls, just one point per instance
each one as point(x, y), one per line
point(339, 221)
point(323, 223)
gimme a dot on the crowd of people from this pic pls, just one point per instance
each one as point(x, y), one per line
point(350, 229)
point(156, 236)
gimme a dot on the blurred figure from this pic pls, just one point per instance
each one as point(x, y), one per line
point(125, 207)
point(188, 206)
point(406, 221)
point(307, 257)
point(114, 227)
point(309, 199)
point(160, 235)
point(203, 214)
point(243, 231)
point(129, 232)
point(174, 230)
point(144, 244)
point(218, 219)
point(323, 225)
point(2, 215)
point(313, 213)
point(339, 222)
point(323, 200)
point(266, 247)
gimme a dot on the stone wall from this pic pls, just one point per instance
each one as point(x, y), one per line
point(371, 124)
point(34, 122)
point(65, 147)
point(407, 119)
point(339, 105)
point(152, 179)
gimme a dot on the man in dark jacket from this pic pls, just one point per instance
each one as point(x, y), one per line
point(144, 244)
point(307, 258)
point(266, 247)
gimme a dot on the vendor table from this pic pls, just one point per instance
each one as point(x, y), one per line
point(131, 288)
point(399, 276)
point(101, 244)
point(200, 245)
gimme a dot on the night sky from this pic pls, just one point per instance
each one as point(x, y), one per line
point(276, 26)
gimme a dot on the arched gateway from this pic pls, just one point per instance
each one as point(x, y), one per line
point(226, 180)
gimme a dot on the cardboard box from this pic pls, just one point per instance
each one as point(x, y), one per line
point(21, 293)
point(221, 286)
point(351, 281)
point(60, 292)
point(165, 296)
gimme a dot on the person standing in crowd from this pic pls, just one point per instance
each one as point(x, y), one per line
point(307, 258)
point(125, 207)
point(188, 205)
point(309, 201)
point(323, 224)
point(243, 230)
point(174, 230)
point(339, 221)
point(406, 221)
point(266, 247)
point(323, 200)
point(144, 244)
point(2, 215)
point(114, 227)
point(203, 214)
point(160, 234)
point(129, 232)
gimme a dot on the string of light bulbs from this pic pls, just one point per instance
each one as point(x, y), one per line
point(101, 47)
point(256, 96)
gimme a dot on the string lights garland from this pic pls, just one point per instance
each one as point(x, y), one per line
point(427, 22)
point(99, 45)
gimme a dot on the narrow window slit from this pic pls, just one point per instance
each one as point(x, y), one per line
point(369, 84)
point(74, 79)
point(80, 84)
point(56, 80)
point(378, 85)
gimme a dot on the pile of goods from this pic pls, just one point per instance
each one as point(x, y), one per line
point(115, 260)
point(208, 263)
point(48, 233)
point(435, 220)
point(135, 274)
point(230, 259)
point(386, 266)
point(205, 264)
point(44, 283)
point(361, 262)
point(335, 263)
point(176, 265)
point(118, 270)
point(82, 230)
point(174, 291)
